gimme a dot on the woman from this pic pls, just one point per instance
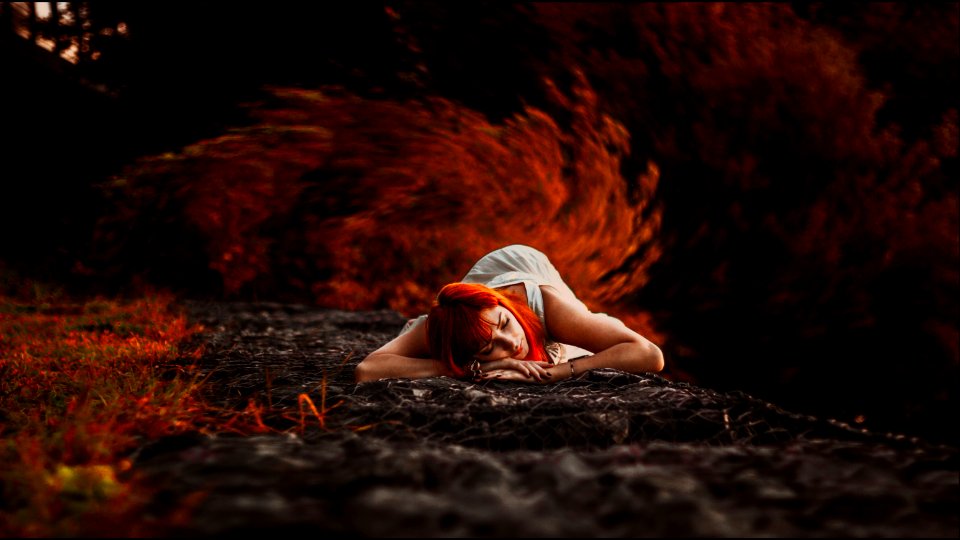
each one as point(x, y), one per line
point(511, 317)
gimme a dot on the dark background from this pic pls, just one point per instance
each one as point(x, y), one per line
point(806, 246)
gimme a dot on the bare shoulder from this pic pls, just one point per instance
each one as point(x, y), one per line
point(553, 298)
point(517, 289)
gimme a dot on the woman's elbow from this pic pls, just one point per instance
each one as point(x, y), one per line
point(364, 371)
point(655, 356)
point(651, 357)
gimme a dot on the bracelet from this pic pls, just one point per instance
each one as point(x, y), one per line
point(572, 372)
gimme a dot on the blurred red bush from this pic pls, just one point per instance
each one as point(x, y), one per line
point(358, 204)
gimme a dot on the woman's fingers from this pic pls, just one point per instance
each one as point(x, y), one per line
point(534, 371)
point(513, 369)
point(539, 371)
point(505, 374)
point(533, 362)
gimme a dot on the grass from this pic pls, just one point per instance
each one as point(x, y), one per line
point(83, 385)
point(86, 383)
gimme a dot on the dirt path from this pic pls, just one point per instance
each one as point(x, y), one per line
point(610, 454)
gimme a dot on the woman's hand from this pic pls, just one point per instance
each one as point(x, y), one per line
point(512, 369)
point(551, 373)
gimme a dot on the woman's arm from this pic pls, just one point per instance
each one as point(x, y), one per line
point(406, 356)
point(613, 344)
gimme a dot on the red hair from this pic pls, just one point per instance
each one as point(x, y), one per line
point(455, 331)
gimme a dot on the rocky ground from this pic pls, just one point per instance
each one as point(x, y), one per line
point(608, 454)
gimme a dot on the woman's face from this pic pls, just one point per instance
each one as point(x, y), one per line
point(507, 339)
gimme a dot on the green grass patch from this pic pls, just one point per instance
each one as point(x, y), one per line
point(83, 385)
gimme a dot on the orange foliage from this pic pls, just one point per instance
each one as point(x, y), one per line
point(458, 187)
point(792, 197)
point(382, 202)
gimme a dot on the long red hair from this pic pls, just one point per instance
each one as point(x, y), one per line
point(455, 331)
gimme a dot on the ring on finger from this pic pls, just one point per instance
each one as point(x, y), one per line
point(475, 369)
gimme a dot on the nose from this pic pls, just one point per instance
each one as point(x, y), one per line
point(513, 345)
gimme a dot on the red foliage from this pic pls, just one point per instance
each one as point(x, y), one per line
point(383, 202)
point(804, 205)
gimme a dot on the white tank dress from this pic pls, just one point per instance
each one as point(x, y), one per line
point(521, 264)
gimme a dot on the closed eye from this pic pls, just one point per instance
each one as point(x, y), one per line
point(500, 325)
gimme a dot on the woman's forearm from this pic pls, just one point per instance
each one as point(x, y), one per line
point(630, 357)
point(394, 366)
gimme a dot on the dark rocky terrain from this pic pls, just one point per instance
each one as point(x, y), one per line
point(607, 454)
